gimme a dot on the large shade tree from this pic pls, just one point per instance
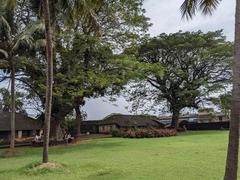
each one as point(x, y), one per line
point(194, 64)
point(189, 8)
point(111, 29)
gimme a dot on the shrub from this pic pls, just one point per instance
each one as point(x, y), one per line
point(115, 133)
point(144, 133)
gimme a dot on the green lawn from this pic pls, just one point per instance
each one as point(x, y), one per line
point(188, 156)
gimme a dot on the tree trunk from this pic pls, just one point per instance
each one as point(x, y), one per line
point(175, 117)
point(56, 130)
point(78, 121)
point(233, 144)
point(13, 108)
point(49, 74)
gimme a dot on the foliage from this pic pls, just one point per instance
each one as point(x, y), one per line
point(85, 64)
point(189, 7)
point(17, 42)
point(206, 110)
point(223, 102)
point(195, 64)
point(70, 124)
point(6, 100)
point(144, 133)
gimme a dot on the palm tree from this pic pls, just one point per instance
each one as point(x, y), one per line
point(48, 103)
point(5, 104)
point(11, 58)
point(188, 9)
point(75, 10)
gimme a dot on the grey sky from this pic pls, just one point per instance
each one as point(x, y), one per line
point(166, 18)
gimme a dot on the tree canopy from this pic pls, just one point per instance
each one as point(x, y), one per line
point(195, 64)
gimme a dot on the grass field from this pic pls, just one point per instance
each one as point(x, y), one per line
point(188, 156)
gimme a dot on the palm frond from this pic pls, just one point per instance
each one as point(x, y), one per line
point(83, 10)
point(4, 64)
point(26, 37)
point(2, 8)
point(35, 26)
point(24, 40)
point(5, 29)
point(208, 6)
point(189, 7)
point(11, 4)
point(4, 53)
point(40, 43)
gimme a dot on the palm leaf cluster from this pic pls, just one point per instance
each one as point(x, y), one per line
point(190, 7)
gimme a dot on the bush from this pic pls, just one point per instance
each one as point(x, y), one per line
point(144, 133)
point(115, 133)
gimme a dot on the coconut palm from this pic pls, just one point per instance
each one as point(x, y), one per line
point(11, 52)
point(76, 10)
point(5, 104)
point(188, 9)
point(49, 57)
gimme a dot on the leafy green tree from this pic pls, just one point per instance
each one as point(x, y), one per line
point(189, 8)
point(223, 102)
point(83, 55)
point(195, 64)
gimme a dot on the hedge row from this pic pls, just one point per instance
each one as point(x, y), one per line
point(144, 133)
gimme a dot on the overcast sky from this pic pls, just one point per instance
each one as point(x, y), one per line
point(166, 18)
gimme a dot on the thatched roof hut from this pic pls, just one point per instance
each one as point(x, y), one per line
point(23, 122)
point(128, 121)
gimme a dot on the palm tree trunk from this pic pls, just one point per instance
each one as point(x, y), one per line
point(13, 108)
point(233, 145)
point(48, 103)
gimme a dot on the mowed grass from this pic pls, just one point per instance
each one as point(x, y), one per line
point(188, 156)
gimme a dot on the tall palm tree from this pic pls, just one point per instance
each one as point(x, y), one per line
point(75, 10)
point(11, 43)
point(188, 9)
point(48, 103)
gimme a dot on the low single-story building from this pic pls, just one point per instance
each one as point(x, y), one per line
point(183, 118)
point(201, 117)
point(121, 121)
point(205, 117)
point(24, 126)
point(90, 126)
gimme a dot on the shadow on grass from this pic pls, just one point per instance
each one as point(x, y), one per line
point(92, 145)
point(64, 149)
point(201, 132)
point(10, 153)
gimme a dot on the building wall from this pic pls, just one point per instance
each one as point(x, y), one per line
point(107, 128)
point(92, 128)
point(205, 118)
point(5, 135)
